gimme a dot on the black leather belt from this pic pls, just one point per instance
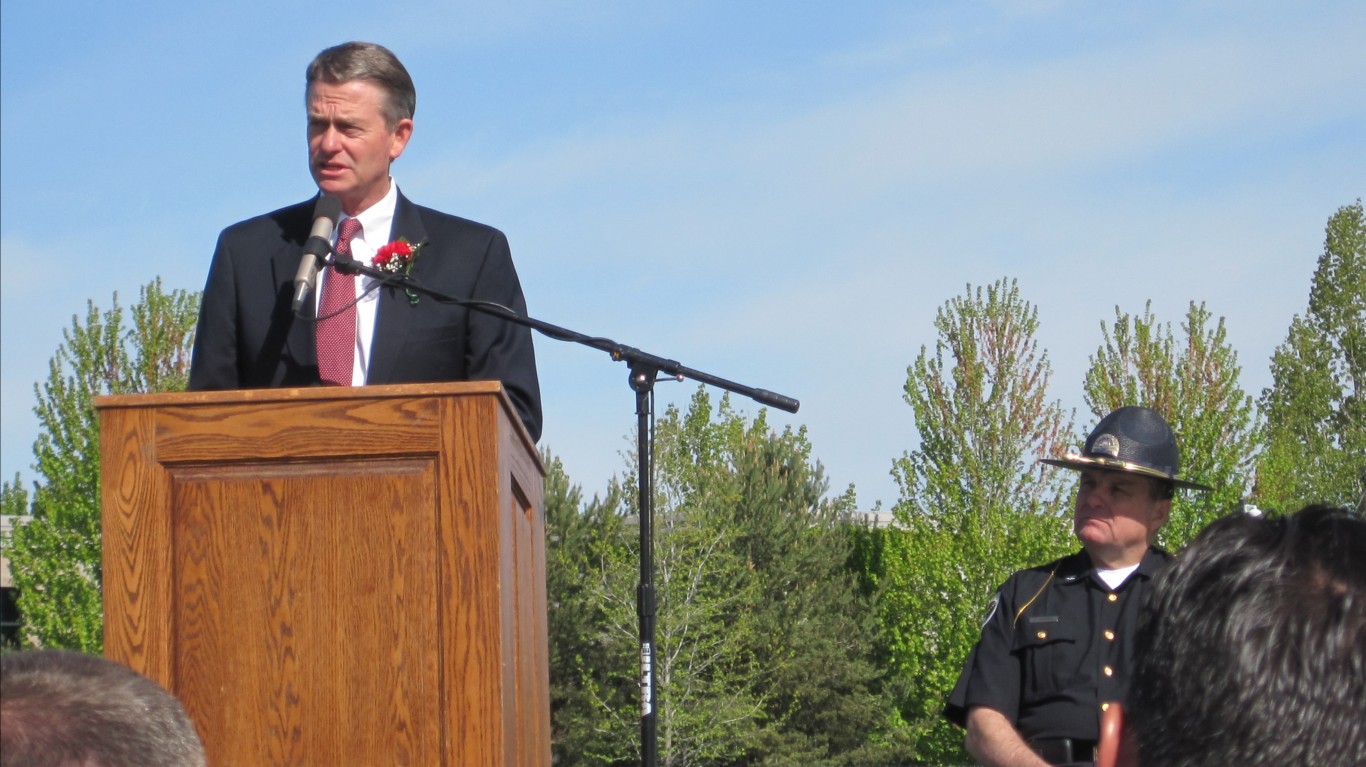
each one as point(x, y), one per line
point(1064, 750)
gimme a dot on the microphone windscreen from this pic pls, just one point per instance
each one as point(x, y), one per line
point(328, 207)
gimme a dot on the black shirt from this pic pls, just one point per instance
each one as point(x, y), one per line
point(1056, 645)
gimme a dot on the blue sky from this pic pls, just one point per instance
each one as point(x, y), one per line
point(778, 193)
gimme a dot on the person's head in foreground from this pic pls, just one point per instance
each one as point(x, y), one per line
point(67, 709)
point(1251, 648)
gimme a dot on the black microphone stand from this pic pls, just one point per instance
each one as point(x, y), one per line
point(644, 370)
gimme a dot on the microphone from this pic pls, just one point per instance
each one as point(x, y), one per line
point(319, 244)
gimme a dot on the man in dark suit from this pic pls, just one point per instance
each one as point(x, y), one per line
point(360, 117)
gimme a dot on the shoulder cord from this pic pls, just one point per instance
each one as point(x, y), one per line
point(1025, 606)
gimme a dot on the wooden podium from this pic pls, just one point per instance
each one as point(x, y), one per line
point(332, 576)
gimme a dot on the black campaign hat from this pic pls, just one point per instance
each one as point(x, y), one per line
point(1131, 439)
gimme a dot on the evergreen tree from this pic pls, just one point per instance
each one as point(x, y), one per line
point(975, 504)
point(592, 680)
point(1315, 410)
point(765, 648)
point(55, 556)
point(826, 701)
point(1193, 383)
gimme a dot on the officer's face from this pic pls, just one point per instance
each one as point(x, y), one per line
point(1117, 514)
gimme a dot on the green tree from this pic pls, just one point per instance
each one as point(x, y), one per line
point(707, 711)
point(975, 504)
point(593, 691)
point(825, 696)
point(1315, 409)
point(1193, 382)
point(765, 647)
point(55, 556)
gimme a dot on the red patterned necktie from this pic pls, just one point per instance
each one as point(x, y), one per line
point(336, 330)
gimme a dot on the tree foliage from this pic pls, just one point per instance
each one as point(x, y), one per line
point(825, 699)
point(55, 556)
point(1192, 381)
point(590, 683)
point(765, 647)
point(981, 408)
point(1315, 409)
point(975, 504)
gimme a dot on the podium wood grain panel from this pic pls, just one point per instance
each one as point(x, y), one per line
point(341, 428)
point(334, 555)
point(343, 576)
point(136, 545)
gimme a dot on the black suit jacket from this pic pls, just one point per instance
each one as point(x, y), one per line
point(249, 338)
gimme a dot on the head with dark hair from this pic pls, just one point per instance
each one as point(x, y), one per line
point(354, 61)
point(67, 709)
point(1251, 648)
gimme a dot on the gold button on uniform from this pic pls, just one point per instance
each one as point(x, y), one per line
point(1109, 671)
point(1110, 635)
point(1105, 707)
point(1114, 597)
point(1043, 634)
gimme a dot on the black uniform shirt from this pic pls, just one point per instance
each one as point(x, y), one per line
point(1056, 645)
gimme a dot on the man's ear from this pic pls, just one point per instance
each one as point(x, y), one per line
point(1162, 514)
point(403, 131)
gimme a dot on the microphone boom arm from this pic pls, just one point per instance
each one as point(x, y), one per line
point(634, 357)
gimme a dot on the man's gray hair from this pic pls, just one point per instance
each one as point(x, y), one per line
point(60, 708)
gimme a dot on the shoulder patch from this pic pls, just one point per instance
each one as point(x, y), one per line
point(991, 609)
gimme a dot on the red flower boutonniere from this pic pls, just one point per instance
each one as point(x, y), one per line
point(398, 257)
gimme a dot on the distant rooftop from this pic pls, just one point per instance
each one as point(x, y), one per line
point(7, 524)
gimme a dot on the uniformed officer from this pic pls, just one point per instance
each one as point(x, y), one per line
point(1056, 646)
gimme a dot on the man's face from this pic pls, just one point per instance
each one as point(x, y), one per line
point(349, 144)
point(1116, 515)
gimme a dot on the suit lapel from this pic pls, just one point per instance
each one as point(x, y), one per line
point(395, 314)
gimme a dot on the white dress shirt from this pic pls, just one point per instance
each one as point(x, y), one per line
point(376, 222)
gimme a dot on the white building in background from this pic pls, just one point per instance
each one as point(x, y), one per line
point(876, 519)
point(9, 595)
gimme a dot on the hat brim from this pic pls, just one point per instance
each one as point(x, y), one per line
point(1079, 462)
